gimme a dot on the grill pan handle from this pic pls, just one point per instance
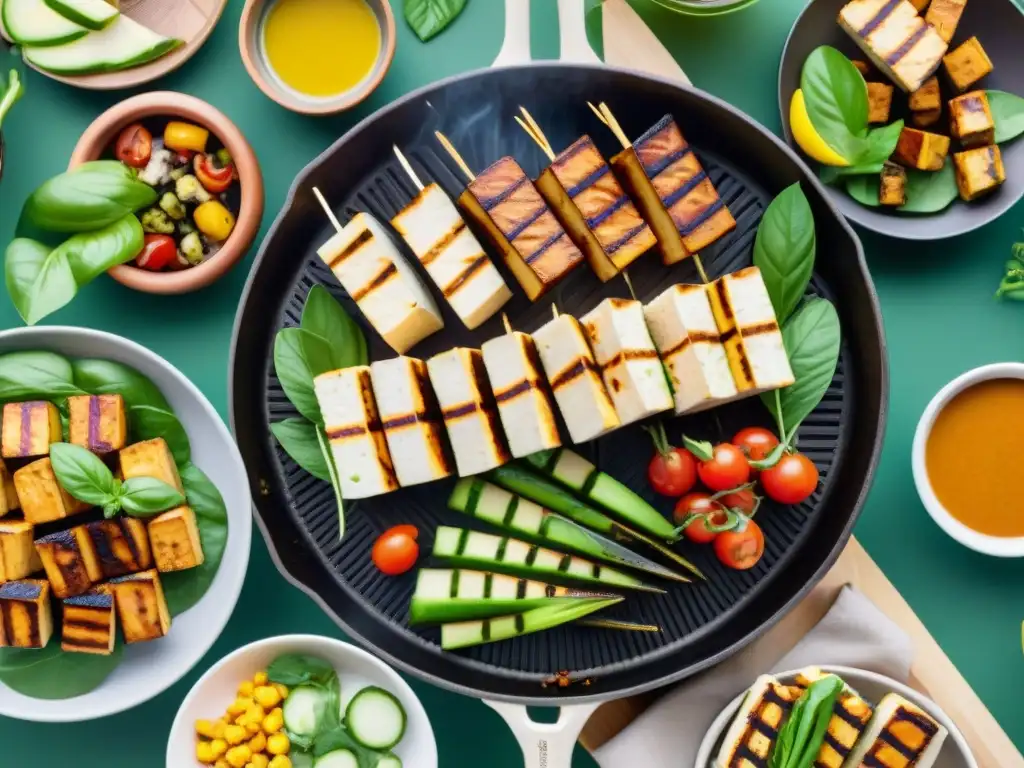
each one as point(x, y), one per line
point(545, 745)
point(572, 29)
point(516, 47)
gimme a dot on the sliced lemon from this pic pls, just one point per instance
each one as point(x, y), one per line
point(807, 137)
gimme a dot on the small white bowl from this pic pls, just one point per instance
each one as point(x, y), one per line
point(872, 686)
point(980, 542)
point(356, 669)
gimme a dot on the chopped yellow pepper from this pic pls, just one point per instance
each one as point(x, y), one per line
point(214, 220)
point(184, 137)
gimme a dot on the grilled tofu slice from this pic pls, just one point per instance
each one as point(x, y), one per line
point(353, 427)
point(382, 283)
point(150, 458)
point(627, 358)
point(26, 616)
point(575, 379)
point(684, 330)
point(893, 189)
point(98, 422)
point(89, 623)
point(971, 122)
point(18, 556)
point(121, 545)
point(535, 247)
point(673, 192)
point(750, 332)
point(967, 64)
point(587, 199)
point(753, 732)
point(922, 150)
point(8, 496)
point(70, 561)
point(899, 735)
point(524, 405)
point(920, 5)
point(42, 499)
point(927, 97)
point(412, 421)
point(452, 256)
point(469, 410)
point(175, 541)
point(900, 43)
point(141, 606)
point(28, 429)
point(879, 102)
point(926, 118)
point(978, 171)
point(850, 717)
point(945, 16)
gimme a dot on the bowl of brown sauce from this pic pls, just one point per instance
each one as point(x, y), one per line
point(967, 451)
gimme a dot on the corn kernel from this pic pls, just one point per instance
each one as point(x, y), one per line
point(258, 743)
point(238, 756)
point(260, 678)
point(259, 761)
point(245, 689)
point(278, 744)
point(235, 734)
point(218, 728)
point(219, 747)
point(222, 763)
point(281, 689)
point(239, 705)
point(281, 761)
point(204, 728)
point(253, 727)
point(204, 754)
point(267, 696)
point(273, 722)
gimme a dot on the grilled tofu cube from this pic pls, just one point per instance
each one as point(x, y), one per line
point(899, 42)
point(575, 379)
point(629, 362)
point(8, 495)
point(18, 556)
point(927, 118)
point(922, 150)
point(452, 256)
point(354, 430)
point(753, 732)
point(673, 192)
point(469, 410)
point(141, 606)
point(587, 199)
point(89, 623)
point(29, 428)
point(863, 67)
point(70, 561)
point(412, 421)
point(927, 97)
point(42, 499)
point(26, 616)
point(121, 545)
point(879, 102)
point(849, 720)
point(900, 734)
point(524, 405)
point(893, 188)
point(967, 64)
point(750, 332)
point(98, 422)
point(920, 5)
point(685, 332)
point(382, 283)
point(970, 118)
point(978, 171)
point(150, 458)
point(535, 247)
point(176, 543)
point(945, 16)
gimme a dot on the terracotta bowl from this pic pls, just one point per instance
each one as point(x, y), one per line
point(99, 138)
point(250, 42)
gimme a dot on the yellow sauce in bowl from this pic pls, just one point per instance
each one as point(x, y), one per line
point(321, 48)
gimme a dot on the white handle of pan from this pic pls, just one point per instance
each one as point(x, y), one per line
point(545, 745)
point(572, 30)
point(516, 47)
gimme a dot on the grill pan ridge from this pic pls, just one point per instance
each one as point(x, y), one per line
point(701, 622)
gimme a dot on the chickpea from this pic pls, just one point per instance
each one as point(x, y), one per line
point(278, 744)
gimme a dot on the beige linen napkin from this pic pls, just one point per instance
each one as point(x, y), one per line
point(854, 633)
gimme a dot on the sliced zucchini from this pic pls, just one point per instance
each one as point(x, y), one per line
point(33, 22)
point(390, 761)
point(91, 14)
point(467, 633)
point(123, 44)
point(375, 718)
point(306, 710)
point(339, 758)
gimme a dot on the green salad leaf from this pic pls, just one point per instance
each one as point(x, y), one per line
point(299, 439)
point(106, 377)
point(837, 101)
point(428, 18)
point(29, 374)
point(148, 422)
point(1007, 113)
point(927, 191)
point(49, 673)
point(784, 249)
point(294, 669)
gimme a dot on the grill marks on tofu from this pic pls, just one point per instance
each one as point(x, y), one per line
point(945, 16)
point(70, 561)
point(967, 64)
point(89, 623)
point(26, 616)
point(749, 742)
point(900, 735)
point(141, 606)
point(971, 121)
point(850, 717)
point(979, 171)
point(29, 428)
point(922, 150)
point(121, 546)
point(893, 188)
point(98, 423)
point(8, 493)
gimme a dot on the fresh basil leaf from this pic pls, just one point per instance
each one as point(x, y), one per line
point(50, 673)
point(320, 356)
point(811, 337)
point(428, 18)
point(82, 473)
point(147, 422)
point(864, 189)
point(325, 317)
point(1007, 113)
point(784, 249)
point(35, 374)
point(111, 509)
point(803, 733)
point(830, 174)
point(293, 669)
point(105, 377)
point(881, 144)
point(148, 496)
point(927, 191)
point(837, 101)
point(294, 373)
point(87, 198)
point(298, 439)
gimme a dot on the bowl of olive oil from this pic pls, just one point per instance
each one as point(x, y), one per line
point(317, 57)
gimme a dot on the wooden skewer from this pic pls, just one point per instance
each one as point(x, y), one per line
point(597, 112)
point(506, 323)
point(327, 209)
point(700, 268)
point(554, 311)
point(450, 148)
point(629, 284)
point(408, 168)
point(534, 131)
point(606, 116)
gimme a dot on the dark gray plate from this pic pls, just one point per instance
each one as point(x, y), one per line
point(999, 25)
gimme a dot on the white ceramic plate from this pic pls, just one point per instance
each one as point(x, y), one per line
point(148, 669)
point(356, 669)
point(870, 685)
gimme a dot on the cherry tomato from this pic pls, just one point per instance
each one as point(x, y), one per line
point(700, 503)
point(214, 180)
point(792, 480)
point(158, 251)
point(672, 473)
point(134, 146)
point(743, 500)
point(395, 551)
point(755, 442)
point(727, 468)
point(742, 547)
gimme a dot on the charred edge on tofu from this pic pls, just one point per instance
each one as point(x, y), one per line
point(757, 724)
point(105, 534)
point(463, 277)
point(86, 627)
point(879, 19)
point(442, 245)
point(896, 56)
point(662, 160)
point(564, 563)
point(20, 592)
point(379, 279)
point(574, 371)
point(628, 355)
point(693, 337)
point(927, 730)
point(357, 242)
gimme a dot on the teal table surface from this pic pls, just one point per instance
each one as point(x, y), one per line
point(939, 315)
